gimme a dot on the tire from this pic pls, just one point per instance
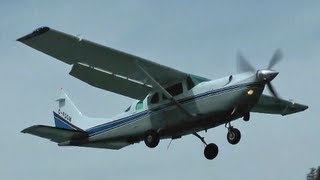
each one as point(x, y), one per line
point(211, 151)
point(233, 136)
point(152, 139)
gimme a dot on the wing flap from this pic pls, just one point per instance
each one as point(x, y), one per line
point(110, 82)
point(54, 134)
point(271, 105)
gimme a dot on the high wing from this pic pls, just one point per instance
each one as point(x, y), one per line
point(99, 65)
point(271, 105)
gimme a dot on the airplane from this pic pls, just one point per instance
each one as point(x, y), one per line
point(169, 103)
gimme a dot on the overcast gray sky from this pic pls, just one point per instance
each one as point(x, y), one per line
point(200, 37)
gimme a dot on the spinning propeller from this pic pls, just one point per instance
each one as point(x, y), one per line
point(264, 74)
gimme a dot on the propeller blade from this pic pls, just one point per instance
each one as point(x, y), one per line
point(277, 56)
point(243, 65)
point(272, 90)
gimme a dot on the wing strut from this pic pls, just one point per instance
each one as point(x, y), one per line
point(165, 92)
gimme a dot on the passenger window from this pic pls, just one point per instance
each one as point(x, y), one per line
point(155, 98)
point(139, 105)
point(174, 90)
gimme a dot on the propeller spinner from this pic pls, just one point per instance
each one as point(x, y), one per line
point(264, 74)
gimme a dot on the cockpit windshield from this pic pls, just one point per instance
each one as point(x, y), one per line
point(193, 80)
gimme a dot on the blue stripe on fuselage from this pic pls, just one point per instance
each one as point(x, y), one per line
point(126, 120)
point(62, 123)
point(117, 123)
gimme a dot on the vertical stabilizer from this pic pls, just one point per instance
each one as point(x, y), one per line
point(66, 115)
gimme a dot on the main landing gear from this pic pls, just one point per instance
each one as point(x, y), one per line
point(211, 150)
point(246, 116)
point(151, 139)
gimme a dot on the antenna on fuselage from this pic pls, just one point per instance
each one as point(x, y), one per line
point(169, 144)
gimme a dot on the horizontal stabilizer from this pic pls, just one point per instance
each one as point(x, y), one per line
point(55, 134)
point(272, 105)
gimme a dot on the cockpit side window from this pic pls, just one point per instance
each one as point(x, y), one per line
point(139, 105)
point(155, 98)
point(174, 90)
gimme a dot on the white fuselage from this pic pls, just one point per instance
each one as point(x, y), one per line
point(214, 102)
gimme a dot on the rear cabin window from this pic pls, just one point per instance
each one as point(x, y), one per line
point(155, 98)
point(174, 90)
point(139, 105)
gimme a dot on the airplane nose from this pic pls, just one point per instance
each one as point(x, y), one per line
point(266, 75)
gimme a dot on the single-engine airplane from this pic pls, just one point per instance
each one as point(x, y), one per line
point(169, 103)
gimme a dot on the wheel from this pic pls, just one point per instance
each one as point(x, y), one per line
point(246, 117)
point(211, 151)
point(233, 136)
point(152, 139)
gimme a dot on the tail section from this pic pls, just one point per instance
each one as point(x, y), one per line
point(67, 116)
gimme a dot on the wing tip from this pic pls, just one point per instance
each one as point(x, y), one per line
point(28, 129)
point(295, 108)
point(37, 32)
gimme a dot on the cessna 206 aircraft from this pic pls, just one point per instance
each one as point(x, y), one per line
point(169, 103)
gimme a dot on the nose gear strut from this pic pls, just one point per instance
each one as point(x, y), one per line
point(233, 135)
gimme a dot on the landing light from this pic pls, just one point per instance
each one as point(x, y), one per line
point(250, 92)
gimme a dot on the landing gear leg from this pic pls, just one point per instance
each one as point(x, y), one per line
point(246, 116)
point(234, 135)
point(211, 150)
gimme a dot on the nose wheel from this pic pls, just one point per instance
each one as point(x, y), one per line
point(211, 150)
point(234, 135)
